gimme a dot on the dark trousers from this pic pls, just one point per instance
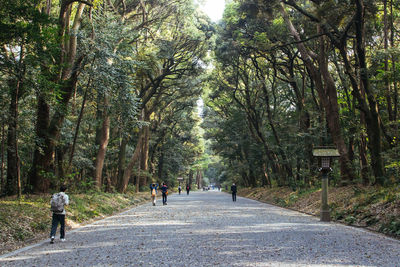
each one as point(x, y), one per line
point(187, 192)
point(164, 198)
point(58, 218)
point(233, 196)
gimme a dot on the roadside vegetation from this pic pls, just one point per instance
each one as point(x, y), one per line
point(373, 208)
point(28, 219)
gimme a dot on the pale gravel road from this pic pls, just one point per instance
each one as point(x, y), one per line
point(208, 229)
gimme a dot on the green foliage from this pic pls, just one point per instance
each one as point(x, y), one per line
point(258, 72)
point(262, 114)
point(392, 227)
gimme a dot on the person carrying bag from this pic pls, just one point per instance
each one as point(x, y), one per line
point(58, 202)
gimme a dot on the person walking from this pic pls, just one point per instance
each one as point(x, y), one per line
point(164, 190)
point(57, 203)
point(234, 191)
point(187, 189)
point(153, 191)
point(179, 189)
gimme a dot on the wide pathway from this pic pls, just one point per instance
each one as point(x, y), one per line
point(208, 229)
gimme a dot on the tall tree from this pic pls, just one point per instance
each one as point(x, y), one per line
point(64, 78)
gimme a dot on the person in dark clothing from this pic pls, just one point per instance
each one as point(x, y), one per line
point(179, 189)
point(187, 189)
point(164, 190)
point(234, 191)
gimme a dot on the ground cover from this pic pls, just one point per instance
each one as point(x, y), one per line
point(27, 220)
point(374, 208)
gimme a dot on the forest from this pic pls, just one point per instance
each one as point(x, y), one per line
point(111, 95)
point(293, 75)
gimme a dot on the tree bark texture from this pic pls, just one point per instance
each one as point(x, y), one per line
point(3, 142)
point(104, 139)
point(12, 148)
point(144, 158)
point(121, 159)
point(128, 170)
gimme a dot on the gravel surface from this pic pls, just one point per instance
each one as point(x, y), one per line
point(208, 229)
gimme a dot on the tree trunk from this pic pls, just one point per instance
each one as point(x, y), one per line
point(128, 170)
point(388, 92)
point(11, 187)
point(332, 114)
point(190, 178)
point(48, 132)
point(266, 176)
point(60, 154)
point(3, 138)
point(364, 160)
point(160, 164)
point(144, 158)
point(121, 159)
point(198, 178)
point(372, 119)
point(104, 139)
point(71, 155)
point(37, 179)
point(394, 70)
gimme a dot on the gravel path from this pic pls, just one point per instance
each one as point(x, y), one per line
point(208, 229)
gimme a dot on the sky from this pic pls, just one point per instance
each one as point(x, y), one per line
point(213, 8)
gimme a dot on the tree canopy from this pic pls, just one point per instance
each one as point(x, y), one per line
point(105, 94)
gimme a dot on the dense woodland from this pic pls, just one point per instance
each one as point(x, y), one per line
point(293, 75)
point(103, 94)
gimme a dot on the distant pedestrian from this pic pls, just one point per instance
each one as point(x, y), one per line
point(234, 191)
point(153, 191)
point(179, 189)
point(164, 191)
point(57, 203)
point(187, 189)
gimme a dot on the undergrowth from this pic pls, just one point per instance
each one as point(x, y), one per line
point(29, 217)
point(375, 208)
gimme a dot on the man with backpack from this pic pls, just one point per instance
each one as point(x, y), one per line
point(57, 203)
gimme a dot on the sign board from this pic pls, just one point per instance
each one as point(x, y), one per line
point(180, 179)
